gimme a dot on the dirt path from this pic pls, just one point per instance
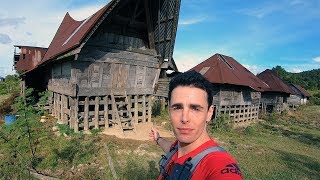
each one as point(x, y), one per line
point(142, 132)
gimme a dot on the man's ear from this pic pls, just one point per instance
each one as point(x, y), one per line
point(210, 113)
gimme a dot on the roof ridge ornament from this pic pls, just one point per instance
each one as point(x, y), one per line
point(76, 30)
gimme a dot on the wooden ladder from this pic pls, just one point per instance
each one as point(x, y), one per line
point(122, 111)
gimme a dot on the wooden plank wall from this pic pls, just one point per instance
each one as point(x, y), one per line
point(85, 113)
point(239, 113)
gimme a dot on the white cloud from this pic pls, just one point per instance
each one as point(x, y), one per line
point(192, 20)
point(253, 68)
point(316, 59)
point(296, 70)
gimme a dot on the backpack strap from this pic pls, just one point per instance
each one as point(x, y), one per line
point(196, 159)
point(165, 160)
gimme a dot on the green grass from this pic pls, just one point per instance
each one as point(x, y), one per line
point(287, 147)
point(284, 149)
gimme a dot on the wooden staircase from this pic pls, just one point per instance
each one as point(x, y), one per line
point(122, 111)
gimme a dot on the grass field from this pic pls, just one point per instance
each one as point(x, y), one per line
point(279, 147)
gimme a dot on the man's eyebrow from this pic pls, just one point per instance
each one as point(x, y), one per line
point(176, 104)
point(196, 106)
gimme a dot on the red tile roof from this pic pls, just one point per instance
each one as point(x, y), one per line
point(223, 69)
point(302, 90)
point(276, 84)
point(71, 33)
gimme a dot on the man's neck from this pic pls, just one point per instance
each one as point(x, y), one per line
point(185, 148)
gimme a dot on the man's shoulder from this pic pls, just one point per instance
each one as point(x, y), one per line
point(218, 164)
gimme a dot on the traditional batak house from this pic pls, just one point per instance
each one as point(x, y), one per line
point(27, 58)
point(300, 97)
point(103, 71)
point(274, 98)
point(236, 90)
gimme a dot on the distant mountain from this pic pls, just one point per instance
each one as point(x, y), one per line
point(307, 79)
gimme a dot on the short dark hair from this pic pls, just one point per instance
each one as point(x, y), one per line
point(193, 79)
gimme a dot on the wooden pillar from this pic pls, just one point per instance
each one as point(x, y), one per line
point(136, 108)
point(86, 114)
point(144, 108)
point(96, 113)
point(106, 112)
point(64, 107)
point(54, 105)
point(76, 117)
point(59, 107)
point(72, 113)
point(149, 108)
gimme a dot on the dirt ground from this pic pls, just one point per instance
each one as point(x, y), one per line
point(141, 133)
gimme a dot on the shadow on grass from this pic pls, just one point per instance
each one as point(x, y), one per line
point(302, 165)
point(303, 137)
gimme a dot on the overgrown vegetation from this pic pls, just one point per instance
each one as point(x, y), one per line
point(10, 85)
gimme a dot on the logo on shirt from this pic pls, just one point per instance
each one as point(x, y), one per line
point(231, 168)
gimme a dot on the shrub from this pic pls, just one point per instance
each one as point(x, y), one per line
point(223, 122)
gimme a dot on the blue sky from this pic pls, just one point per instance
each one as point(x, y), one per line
point(259, 34)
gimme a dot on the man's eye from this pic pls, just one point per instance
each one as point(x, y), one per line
point(195, 108)
point(176, 107)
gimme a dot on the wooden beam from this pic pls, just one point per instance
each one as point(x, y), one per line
point(149, 25)
point(136, 109)
point(96, 113)
point(149, 108)
point(144, 109)
point(106, 112)
point(86, 114)
point(76, 109)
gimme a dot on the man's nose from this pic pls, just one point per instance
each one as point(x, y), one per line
point(185, 115)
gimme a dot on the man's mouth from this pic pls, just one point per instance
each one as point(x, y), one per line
point(184, 130)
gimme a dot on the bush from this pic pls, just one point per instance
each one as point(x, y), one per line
point(223, 122)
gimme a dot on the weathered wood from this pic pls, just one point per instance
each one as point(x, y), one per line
point(76, 116)
point(136, 108)
point(149, 108)
point(96, 115)
point(72, 112)
point(149, 25)
point(106, 112)
point(86, 114)
point(144, 109)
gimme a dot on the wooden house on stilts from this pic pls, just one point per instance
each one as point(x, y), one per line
point(274, 98)
point(300, 97)
point(102, 71)
point(236, 90)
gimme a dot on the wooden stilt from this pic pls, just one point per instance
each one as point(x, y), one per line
point(144, 109)
point(106, 112)
point(86, 114)
point(76, 117)
point(136, 108)
point(96, 113)
point(149, 108)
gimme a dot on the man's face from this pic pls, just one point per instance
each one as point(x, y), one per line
point(189, 113)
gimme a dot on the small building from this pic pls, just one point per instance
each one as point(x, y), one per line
point(2, 79)
point(25, 59)
point(236, 90)
point(300, 97)
point(103, 71)
point(274, 98)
